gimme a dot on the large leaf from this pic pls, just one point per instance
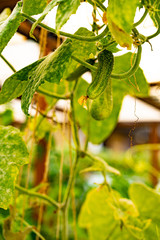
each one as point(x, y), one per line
point(33, 7)
point(10, 26)
point(65, 10)
point(122, 13)
point(98, 215)
point(51, 70)
point(15, 85)
point(147, 201)
point(13, 154)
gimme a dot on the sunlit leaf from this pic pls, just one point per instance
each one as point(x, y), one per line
point(121, 13)
point(98, 217)
point(65, 10)
point(13, 154)
point(4, 15)
point(146, 200)
point(33, 7)
point(15, 85)
point(51, 70)
point(10, 26)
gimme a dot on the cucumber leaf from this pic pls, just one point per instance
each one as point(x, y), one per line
point(65, 10)
point(122, 13)
point(15, 85)
point(51, 70)
point(33, 7)
point(10, 26)
point(146, 201)
point(103, 212)
point(13, 154)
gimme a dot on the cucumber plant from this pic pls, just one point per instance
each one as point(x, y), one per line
point(105, 213)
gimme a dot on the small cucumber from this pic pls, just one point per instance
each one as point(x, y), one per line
point(102, 106)
point(104, 69)
point(79, 71)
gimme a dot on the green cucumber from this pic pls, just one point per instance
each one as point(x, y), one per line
point(102, 106)
point(104, 69)
point(80, 71)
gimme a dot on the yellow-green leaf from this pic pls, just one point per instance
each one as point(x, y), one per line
point(13, 154)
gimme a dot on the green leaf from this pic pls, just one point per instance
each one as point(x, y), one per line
point(65, 10)
point(81, 49)
point(135, 86)
point(4, 15)
point(15, 85)
point(47, 9)
point(13, 154)
point(122, 38)
point(51, 70)
point(33, 7)
point(121, 13)
point(10, 26)
point(98, 217)
point(146, 200)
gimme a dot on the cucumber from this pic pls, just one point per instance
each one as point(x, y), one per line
point(104, 69)
point(79, 71)
point(102, 106)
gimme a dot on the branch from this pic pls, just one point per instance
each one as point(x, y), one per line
point(141, 19)
point(8, 63)
point(73, 36)
point(50, 94)
point(84, 63)
point(38, 195)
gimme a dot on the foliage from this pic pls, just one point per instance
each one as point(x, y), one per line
point(113, 210)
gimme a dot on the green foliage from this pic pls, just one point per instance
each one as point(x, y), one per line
point(15, 85)
point(10, 26)
point(106, 213)
point(64, 11)
point(33, 7)
point(13, 154)
point(51, 70)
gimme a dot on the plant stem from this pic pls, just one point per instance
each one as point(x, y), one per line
point(33, 229)
point(133, 69)
point(84, 63)
point(100, 5)
point(128, 74)
point(141, 19)
point(38, 195)
point(77, 37)
point(8, 63)
point(50, 94)
point(157, 32)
